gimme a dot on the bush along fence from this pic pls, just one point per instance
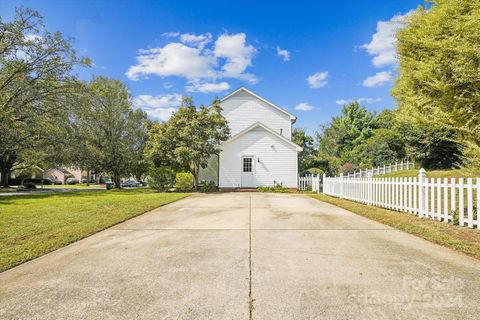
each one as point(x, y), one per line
point(449, 200)
point(398, 166)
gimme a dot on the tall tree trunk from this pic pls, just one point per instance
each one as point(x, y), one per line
point(6, 166)
point(88, 177)
point(116, 181)
point(195, 177)
point(4, 177)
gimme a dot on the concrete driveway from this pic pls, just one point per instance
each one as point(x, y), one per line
point(245, 256)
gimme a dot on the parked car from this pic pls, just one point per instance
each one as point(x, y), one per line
point(130, 184)
point(47, 181)
point(84, 180)
point(71, 181)
point(51, 181)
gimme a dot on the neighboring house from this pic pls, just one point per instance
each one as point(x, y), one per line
point(34, 172)
point(63, 174)
point(260, 151)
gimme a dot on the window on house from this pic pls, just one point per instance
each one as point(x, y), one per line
point(247, 164)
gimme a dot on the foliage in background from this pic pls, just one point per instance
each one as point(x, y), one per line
point(386, 138)
point(348, 167)
point(383, 147)
point(316, 171)
point(345, 132)
point(207, 186)
point(115, 132)
point(188, 139)
point(350, 129)
point(307, 155)
point(161, 178)
point(430, 147)
point(439, 72)
point(183, 181)
point(35, 77)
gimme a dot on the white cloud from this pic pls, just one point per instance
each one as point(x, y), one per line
point(171, 34)
point(207, 87)
point(238, 55)
point(196, 40)
point(284, 54)
point(383, 43)
point(195, 58)
point(159, 107)
point(175, 59)
point(304, 106)
point(318, 80)
point(378, 80)
point(342, 102)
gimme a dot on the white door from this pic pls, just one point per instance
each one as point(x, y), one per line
point(247, 172)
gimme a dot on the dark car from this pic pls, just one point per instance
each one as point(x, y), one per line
point(130, 184)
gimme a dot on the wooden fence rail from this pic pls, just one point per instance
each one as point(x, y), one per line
point(450, 200)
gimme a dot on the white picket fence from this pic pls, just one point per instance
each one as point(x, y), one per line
point(397, 166)
point(310, 182)
point(441, 199)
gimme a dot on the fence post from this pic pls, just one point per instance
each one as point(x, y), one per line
point(369, 188)
point(323, 183)
point(341, 185)
point(422, 175)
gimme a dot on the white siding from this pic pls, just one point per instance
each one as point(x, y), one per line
point(274, 160)
point(242, 110)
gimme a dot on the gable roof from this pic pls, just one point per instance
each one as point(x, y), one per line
point(293, 118)
point(259, 124)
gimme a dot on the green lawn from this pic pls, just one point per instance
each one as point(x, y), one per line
point(458, 238)
point(32, 225)
point(71, 186)
point(453, 173)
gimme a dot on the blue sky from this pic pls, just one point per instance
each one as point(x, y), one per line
point(307, 57)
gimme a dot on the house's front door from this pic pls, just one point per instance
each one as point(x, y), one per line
point(247, 172)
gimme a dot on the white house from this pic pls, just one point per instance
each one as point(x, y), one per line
point(260, 151)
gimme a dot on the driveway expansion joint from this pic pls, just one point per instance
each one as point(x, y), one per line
point(250, 295)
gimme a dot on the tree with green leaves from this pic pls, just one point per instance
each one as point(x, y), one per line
point(35, 75)
point(345, 132)
point(83, 151)
point(430, 147)
point(439, 83)
point(307, 155)
point(383, 147)
point(189, 138)
point(114, 132)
